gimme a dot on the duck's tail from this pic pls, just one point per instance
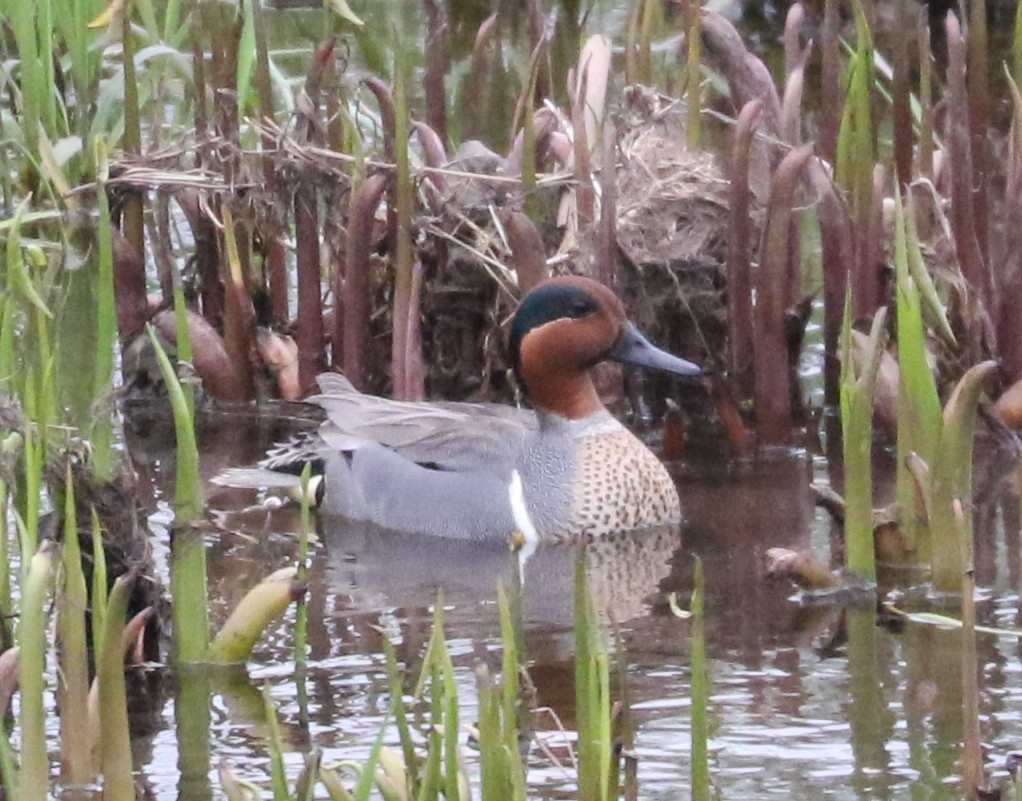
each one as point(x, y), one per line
point(259, 478)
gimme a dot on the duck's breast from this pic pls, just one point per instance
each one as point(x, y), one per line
point(620, 485)
point(591, 477)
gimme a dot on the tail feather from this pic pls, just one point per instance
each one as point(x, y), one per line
point(257, 478)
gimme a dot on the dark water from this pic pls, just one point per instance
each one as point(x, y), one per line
point(807, 702)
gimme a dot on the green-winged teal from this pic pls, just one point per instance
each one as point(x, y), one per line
point(444, 468)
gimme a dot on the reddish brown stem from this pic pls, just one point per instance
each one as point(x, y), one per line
point(963, 216)
point(385, 101)
point(207, 256)
point(585, 195)
point(1009, 319)
point(747, 76)
point(472, 105)
point(220, 374)
point(607, 257)
point(830, 82)
point(791, 104)
point(792, 44)
point(239, 317)
point(979, 122)
point(773, 382)
point(273, 265)
point(309, 335)
point(902, 113)
point(437, 65)
point(528, 255)
point(132, 305)
point(433, 151)
point(162, 254)
point(739, 282)
point(357, 301)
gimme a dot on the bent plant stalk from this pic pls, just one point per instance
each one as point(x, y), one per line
point(189, 594)
point(261, 605)
point(951, 479)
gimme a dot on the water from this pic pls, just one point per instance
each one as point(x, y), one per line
point(807, 702)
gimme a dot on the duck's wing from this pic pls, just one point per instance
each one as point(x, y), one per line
point(446, 435)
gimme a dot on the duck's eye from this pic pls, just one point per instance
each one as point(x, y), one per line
point(581, 307)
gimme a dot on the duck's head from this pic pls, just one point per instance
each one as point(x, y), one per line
point(566, 326)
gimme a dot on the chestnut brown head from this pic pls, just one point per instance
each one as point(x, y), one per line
point(566, 326)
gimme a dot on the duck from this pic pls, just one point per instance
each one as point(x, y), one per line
point(443, 468)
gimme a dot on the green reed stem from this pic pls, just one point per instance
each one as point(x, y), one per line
point(395, 679)
point(951, 480)
point(189, 591)
point(855, 155)
point(364, 787)
point(919, 414)
point(592, 695)
point(405, 208)
point(52, 99)
point(700, 692)
point(34, 775)
point(115, 743)
point(8, 325)
point(189, 596)
point(857, 438)
point(104, 458)
point(302, 611)
point(511, 661)
point(275, 745)
point(183, 336)
point(973, 777)
point(22, 20)
point(192, 728)
point(34, 456)
point(99, 584)
point(72, 21)
point(131, 215)
point(500, 764)
point(75, 757)
point(6, 607)
point(188, 485)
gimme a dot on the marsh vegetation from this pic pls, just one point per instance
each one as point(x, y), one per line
point(204, 205)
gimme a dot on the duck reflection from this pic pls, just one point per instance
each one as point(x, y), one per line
point(380, 569)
